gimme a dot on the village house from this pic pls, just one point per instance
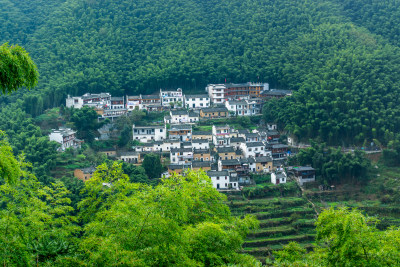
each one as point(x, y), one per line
point(200, 144)
point(274, 93)
point(202, 154)
point(261, 164)
point(236, 141)
point(202, 135)
point(171, 99)
point(278, 177)
point(112, 113)
point(273, 136)
point(178, 169)
point(244, 90)
point(222, 135)
point(130, 157)
point(304, 174)
point(225, 153)
point(214, 112)
point(117, 103)
point(181, 132)
point(133, 102)
point(252, 137)
point(272, 126)
point(66, 138)
point(243, 107)
point(181, 116)
point(197, 101)
point(150, 102)
point(145, 134)
point(216, 93)
point(279, 151)
point(84, 174)
point(203, 165)
point(254, 149)
point(102, 100)
point(181, 156)
point(223, 180)
point(240, 166)
point(109, 152)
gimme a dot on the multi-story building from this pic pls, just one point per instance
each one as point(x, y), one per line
point(117, 103)
point(223, 179)
point(150, 102)
point(279, 151)
point(261, 164)
point(202, 154)
point(243, 107)
point(181, 116)
point(65, 137)
point(225, 153)
point(133, 102)
point(200, 144)
point(216, 93)
point(203, 165)
point(181, 156)
point(130, 157)
point(145, 134)
point(222, 135)
point(197, 101)
point(244, 90)
point(111, 113)
point(236, 141)
point(181, 132)
point(102, 100)
point(252, 137)
point(202, 135)
point(214, 112)
point(254, 149)
point(304, 174)
point(172, 99)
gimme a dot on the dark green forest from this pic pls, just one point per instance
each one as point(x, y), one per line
point(340, 57)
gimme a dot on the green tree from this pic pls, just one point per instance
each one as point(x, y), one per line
point(16, 69)
point(152, 165)
point(85, 121)
point(182, 221)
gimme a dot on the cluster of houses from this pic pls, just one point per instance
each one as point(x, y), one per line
point(221, 100)
point(221, 150)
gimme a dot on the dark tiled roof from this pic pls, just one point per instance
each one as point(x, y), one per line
point(254, 144)
point(227, 149)
point(216, 109)
point(200, 141)
point(199, 164)
point(217, 173)
point(179, 112)
point(237, 140)
point(202, 133)
point(173, 150)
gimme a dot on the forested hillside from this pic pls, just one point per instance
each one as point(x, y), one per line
point(341, 57)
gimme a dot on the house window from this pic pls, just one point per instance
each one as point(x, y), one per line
point(217, 177)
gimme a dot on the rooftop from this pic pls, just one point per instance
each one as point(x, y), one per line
point(254, 144)
point(217, 173)
point(180, 127)
point(175, 150)
point(202, 133)
point(199, 164)
point(179, 112)
point(196, 96)
point(227, 149)
point(215, 109)
point(200, 141)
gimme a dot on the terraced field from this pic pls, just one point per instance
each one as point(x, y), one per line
point(282, 220)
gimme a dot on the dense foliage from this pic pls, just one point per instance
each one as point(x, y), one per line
point(332, 165)
point(181, 221)
point(345, 238)
point(340, 56)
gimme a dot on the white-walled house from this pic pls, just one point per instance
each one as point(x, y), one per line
point(181, 156)
point(172, 98)
point(197, 101)
point(65, 137)
point(181, 116)
point(133, 102)
point(243, 107)
point(216, 93)
point(145, 134)
point(102, 100)
point(200, 144)
point(254, 149)
point(278, 177)
point(223, 180)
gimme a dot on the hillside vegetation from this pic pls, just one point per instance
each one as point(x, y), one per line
point(340, 56)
